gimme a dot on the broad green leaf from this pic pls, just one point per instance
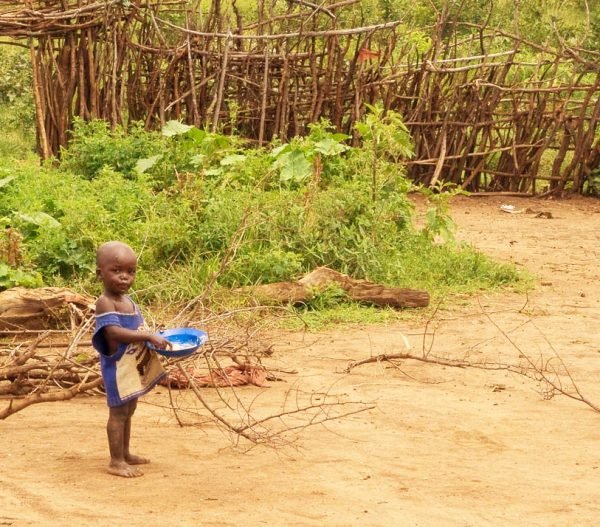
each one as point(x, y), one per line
point(6, 181)
point(146, 164)
point(341, 137)
point(232, 159)
point(213, 171)
point(279, 150)
point(294, 166)
point(330, 147)
point(172, 128)
point(197, 135)
point(197, 160)
point(41, 219)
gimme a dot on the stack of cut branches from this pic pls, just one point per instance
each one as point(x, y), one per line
point(48, 368)
point(35, 372)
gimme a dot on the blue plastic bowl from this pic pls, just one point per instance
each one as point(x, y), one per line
point(185, 341)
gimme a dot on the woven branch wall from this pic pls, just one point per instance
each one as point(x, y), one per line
point(482, 122)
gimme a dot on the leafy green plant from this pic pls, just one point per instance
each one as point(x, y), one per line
point(386, 141)
point(10, 277)
point(438, 219)
point(313, 155)
point(94, 146)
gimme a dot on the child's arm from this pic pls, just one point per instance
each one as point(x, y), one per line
point(123, 335)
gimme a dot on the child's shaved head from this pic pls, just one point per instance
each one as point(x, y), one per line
point(109, 250)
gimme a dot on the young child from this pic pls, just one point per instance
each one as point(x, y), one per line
point(129, 368)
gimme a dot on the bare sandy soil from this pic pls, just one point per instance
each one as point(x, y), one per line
point(442, 446)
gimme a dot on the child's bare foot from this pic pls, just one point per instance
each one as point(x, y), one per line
point(123, 469)
point(132, 459)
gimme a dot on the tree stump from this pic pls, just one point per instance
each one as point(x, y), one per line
point(43, 308)
point(321, 278)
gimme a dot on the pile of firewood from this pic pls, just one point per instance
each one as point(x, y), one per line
point(46, 352)
point(35, 373)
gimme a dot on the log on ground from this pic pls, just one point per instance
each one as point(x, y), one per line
point(322, 278)
point(42, 308)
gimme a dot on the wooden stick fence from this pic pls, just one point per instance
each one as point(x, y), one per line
point(522, 119)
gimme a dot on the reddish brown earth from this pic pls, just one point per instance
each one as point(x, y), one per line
point(441, 447)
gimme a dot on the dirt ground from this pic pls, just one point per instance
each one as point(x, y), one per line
point(441, 446)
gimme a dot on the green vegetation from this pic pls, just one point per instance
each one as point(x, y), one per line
point(548, 23)
point(204, 208)
point(16, 104)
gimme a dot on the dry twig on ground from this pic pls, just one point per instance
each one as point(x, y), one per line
point(549, 371)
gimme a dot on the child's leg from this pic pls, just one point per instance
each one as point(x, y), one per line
point(118, 429)
point(131, 459)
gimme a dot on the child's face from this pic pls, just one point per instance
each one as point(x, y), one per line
point(117, 271)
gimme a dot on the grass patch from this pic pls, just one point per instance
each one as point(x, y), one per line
point(205, 211)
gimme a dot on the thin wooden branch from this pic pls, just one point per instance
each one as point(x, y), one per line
point(16, 405)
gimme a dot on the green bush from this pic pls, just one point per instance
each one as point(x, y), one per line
point(204, 207)
point(62, 223)
point(16, 104)
point(94, 146)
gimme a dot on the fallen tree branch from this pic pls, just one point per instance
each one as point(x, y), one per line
point(453, 363)
point(16, 405)
point(274, 427)
point(322, 278)
point(545, 373)
point(550, 372)
point(41, 309)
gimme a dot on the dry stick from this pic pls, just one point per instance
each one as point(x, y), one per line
point(540, 371)
point(288, 16)
point(263, 104)
point(434, 160)
point(113, 88)
point(280, 117)
point(440, 162)
point(40, 104)
point(316, 7)
point(386, 357)
point(124, 66)
point(246, 429)
point(30, 351)
point(214, 381)
point(173, 407)
point(200, 84)
point(286, 36)
point(221, 87)
point(305, 409)
point(219, 418)
point(15, 405)
point(10, 372)
point(426, 332)
point(195, 118)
